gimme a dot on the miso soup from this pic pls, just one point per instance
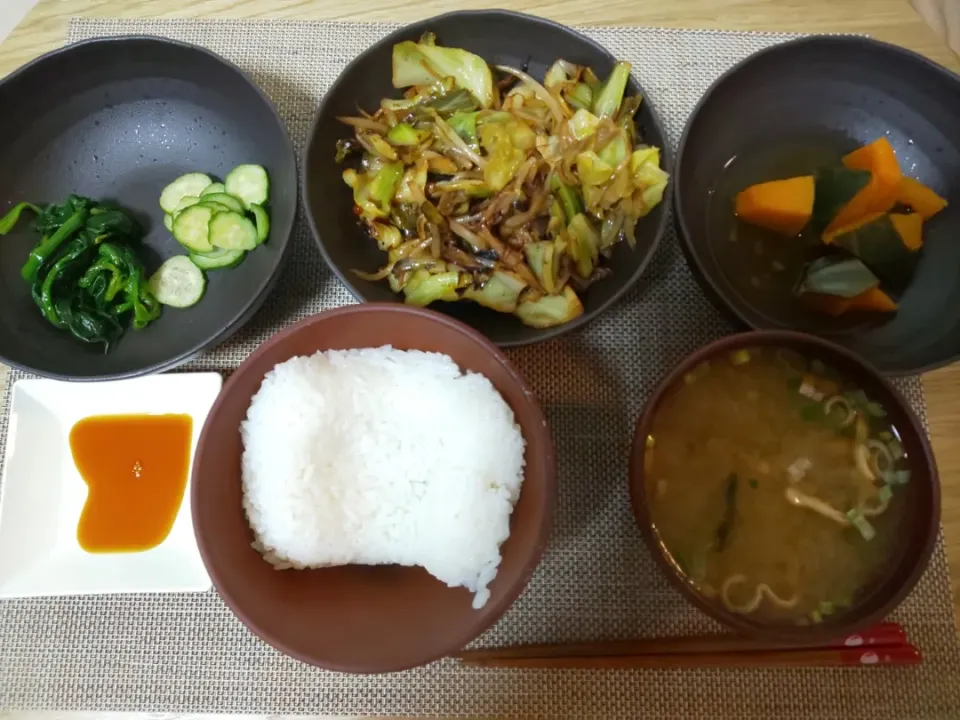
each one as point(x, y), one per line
point(775, 485)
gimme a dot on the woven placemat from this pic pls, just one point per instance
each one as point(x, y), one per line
point(187, 653)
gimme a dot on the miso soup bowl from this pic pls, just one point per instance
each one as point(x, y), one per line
point(922, 494)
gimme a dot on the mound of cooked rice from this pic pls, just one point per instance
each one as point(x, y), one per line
point(382, 456)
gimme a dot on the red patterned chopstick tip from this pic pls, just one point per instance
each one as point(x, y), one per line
point(902, 655)
point(884, 634)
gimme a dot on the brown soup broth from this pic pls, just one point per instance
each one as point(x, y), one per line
point(752, 466)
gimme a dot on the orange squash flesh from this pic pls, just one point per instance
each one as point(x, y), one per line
point(880, 194)
point(873, 300)
point(918, 197)
point(783, 206)
point(909, 228)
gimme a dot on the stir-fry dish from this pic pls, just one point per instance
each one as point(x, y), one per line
point(775, 485)
point(85, 273)
point(484, 184)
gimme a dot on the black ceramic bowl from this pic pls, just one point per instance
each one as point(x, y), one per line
point(788, 109)
point(116, 119)
point(499, 37)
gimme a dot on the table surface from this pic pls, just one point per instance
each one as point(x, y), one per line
point(894, 21)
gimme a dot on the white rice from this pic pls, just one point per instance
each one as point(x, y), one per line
point(382, 456)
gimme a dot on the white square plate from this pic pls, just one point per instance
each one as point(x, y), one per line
point(43, 494)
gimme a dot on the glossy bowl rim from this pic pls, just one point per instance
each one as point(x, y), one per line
point(734, 621)
point(539, 428)
point(667, 161)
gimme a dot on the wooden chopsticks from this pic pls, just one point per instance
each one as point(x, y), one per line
point(884, 644)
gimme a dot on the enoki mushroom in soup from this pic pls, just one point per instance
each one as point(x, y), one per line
point(775, 485)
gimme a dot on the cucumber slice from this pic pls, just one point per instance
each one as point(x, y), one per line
point(232, 231)
point(249, 184)
point(185, 202)
point(263, 222)
point(178, 283)
point(214, 188)
point(191, 228)
point(168, 222)
point(229, 200)
point(218, 259)
point(215, 206)
point(189, 184)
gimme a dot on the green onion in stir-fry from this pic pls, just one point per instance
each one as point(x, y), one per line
point(483, 184)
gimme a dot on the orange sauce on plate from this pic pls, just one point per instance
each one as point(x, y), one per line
point(135, 467)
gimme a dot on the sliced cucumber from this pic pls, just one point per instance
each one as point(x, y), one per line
point(185, 202)
point(191, 228)
point(263, 222)
point(218, 259)
point(189, 184)
point(215, 206)
point(232, 231)
point(168, 222)
point(178, 282)
point(213, 188)
point(249, 184)
point(229, 200)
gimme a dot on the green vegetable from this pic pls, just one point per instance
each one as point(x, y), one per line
point(581, 97)
point(586, 244)
point(753, 483)
point(214, 188)
point(248, 184)
point(880, 247)
point(84, 275)
point(834, 188)
point(617, 150)
point(550, 310)
point(503, 156)
point(424, 288)
point(861, 523)
point(607, 101)
point(384, 184)
point(837, 275)
point(729, 513)
point(583, 124)
point(464, 124)
point(569, 198)
point(500, 292)
point(826, 607)
point(178, 282)
point(10, 219)
point(191, 184)
point(403, 134)
point(423, 64)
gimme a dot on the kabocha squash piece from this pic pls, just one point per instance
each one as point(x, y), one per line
point(832, 235)
point(881, 248)
point(835, 189)
point(879, 158)
point(832, 305)
point(880, 194)
point(783, 206)
point(910, 229)
point(873, 300)
point(919, 198)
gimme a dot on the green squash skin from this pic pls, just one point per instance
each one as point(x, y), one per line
point(880, 247)
point(834, 188)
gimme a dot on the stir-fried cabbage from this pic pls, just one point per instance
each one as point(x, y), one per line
point(483, 184)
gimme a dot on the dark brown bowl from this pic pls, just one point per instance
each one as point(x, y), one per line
point(788, 109)
point(356, 618)
point(923, 491)
point(498, 36)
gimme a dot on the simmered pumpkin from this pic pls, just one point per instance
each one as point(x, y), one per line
point(783, 206)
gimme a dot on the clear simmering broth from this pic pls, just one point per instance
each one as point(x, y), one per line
point(775, 485)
